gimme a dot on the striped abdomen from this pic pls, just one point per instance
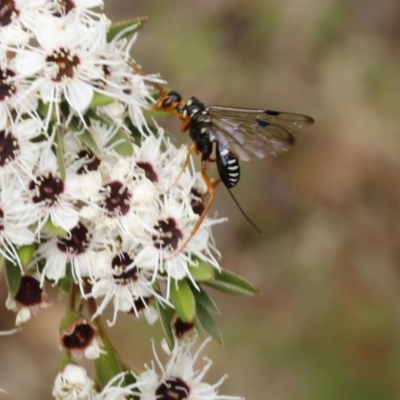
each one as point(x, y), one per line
point(228, 166)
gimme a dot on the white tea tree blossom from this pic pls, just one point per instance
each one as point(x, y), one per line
point(98, 202)
point(179, 379)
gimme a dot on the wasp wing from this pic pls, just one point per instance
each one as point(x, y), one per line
point(253, 133)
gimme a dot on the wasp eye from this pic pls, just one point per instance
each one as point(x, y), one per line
point(172, 98)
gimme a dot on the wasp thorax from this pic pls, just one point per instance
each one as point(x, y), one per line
point(194, 106)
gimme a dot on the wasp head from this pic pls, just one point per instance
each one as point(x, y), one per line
point(168, 101)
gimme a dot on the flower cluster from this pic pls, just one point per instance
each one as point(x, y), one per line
point(97, 200)
point(99, 195)
point(177, 380)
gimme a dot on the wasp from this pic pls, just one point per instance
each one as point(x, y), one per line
point(232, 134)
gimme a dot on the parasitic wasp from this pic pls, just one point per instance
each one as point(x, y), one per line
point(232, 134)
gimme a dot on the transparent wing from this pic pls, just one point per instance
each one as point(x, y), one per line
point(254, 133)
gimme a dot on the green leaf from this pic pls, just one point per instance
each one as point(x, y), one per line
point(13, 277)
point(86, 138)
point(123, 144)
point(199, 329)
point(64, 285)
point(207, 323)
point(231, 283)
point(60, 153)
point(66, 111)
point(107, 365)
point(165, 313)
point(100, 99)
point(202, 271)
point(125, 28)
point(205, 300)
point(135, 132)
point(70, 317)
point(130, 379)
point(44, 109)
point(92, 114)
point(183, 300)
point(25, 253)
point(156, 114)
point(65, 359)
point(55, 229)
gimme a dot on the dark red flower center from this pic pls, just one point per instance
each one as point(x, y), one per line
point(63, 7)
point(7, 88)
point(116, 199)
point(80, 338)
point(8, 12)
point(120, 265)
point(173, 389)
point(47, 188)
point(181, 327)
point(91, 163)
point(140, 304)
point(65, 63)
point(1, 220)
point(168, 234)
point(77, 242)
point(148, 171)
point(29, 292)
point(9, 148)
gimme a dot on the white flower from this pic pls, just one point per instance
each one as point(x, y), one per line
point(115, 111)
point(54, 198)
point(16, 95)
point(29, 300)
point(16, 17)
point(77, 249)
point(80, 8)
point(161, 249)
point(102, 135)
point(67, 65)
point(88, 168)
point(18, 154)
point(138, 98)
point(160, 161)
point(117, 279)
point(116, 389)
point(123, 200)
point(128, 83)
point(73, 383)
point(16, 216)
point(82, 338)
point(179, 379)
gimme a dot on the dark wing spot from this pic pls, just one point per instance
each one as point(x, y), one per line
point(273, 113)
point(263, 124)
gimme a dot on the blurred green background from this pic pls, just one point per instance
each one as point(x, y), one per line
point(326, 325)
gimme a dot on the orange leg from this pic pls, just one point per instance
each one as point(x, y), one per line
point(185, 123)
point(211, 190)
point(192, 149)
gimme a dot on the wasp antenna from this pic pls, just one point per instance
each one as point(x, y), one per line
point(243, 213)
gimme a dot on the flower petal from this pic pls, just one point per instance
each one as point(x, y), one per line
point(29, 62)
point(79, 94)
